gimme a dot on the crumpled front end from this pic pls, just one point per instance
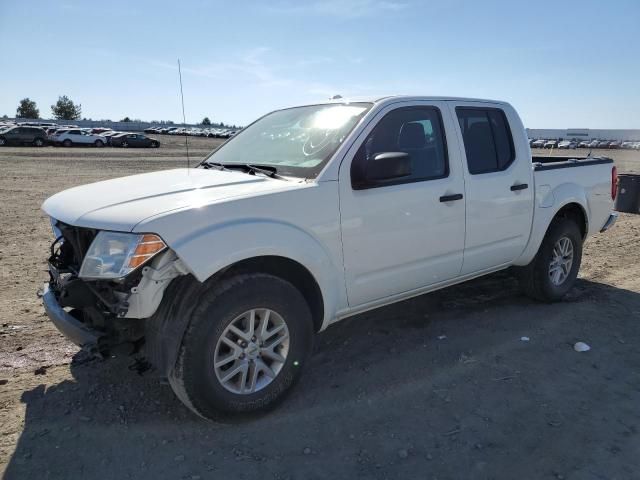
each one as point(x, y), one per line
point(99, 314)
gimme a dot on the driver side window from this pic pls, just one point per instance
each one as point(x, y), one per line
point(416, 131)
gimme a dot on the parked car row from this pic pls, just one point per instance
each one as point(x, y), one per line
point(573, 144)
point(71, 136)
point(196, 132)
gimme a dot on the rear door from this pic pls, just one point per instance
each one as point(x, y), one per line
point(408, 233)
point(498, 183)
point(75, 136)
point(30, 134)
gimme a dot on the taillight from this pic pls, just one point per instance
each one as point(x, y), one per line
point(614, 182)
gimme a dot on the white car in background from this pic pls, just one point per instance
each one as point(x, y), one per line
point(567, 144)
point(71, 137)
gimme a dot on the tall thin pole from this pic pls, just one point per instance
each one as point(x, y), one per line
point(184, 118)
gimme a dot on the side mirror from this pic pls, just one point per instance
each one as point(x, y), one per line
point(379, 169)
point(387, 166)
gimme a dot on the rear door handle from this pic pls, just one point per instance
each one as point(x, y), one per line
point(522, 186)
point(451, 198)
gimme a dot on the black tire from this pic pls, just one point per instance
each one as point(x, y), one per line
point(38, 142)
point(67, 143)
point(193, 379)
point(155, 144)
point(124, 144)
point(535, 279)
point(3, 142)
point(99, 143)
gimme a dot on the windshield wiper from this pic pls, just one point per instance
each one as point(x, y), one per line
point(267, 170)
point(248, 168)
point(219, 166)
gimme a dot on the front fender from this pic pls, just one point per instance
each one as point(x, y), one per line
point(209, 250)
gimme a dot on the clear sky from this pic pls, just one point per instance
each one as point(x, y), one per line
point(562, 64)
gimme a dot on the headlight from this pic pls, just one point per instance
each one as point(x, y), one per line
point(56, 230)
point(115, 255)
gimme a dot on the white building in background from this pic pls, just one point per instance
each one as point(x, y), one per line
point(584, 134)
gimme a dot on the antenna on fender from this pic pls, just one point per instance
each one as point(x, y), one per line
point(184, 120)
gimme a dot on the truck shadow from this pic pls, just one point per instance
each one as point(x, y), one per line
point(470, 382)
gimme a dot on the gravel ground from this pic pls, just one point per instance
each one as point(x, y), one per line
point(442, 386)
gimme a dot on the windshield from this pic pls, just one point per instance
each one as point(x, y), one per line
point(296, 141)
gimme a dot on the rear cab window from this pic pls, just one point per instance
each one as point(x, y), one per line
point(488, 142)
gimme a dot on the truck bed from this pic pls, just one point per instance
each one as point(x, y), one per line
point(553, 163)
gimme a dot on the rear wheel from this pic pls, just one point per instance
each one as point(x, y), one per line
point(99, 143)
point(553, 271)
point(38, 142)
point(3, 142)
point(124, 144)
point(67, 143)
point(245, 347)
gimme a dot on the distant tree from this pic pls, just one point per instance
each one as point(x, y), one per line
point(206, 121)
point(222, 125)
point(65, 109)
point(126, 119)
point(27, 109)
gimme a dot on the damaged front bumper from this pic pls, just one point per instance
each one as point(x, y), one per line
point(87, 338)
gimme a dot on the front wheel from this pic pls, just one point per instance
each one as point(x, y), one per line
point(124, 144)
point(553, 271)
point(99, 143)
point(245, 347)
point(38, 142)
point(155, 144)
point(67, 143)
point(3, 142)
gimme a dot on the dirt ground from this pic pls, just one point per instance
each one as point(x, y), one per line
point(439, 387)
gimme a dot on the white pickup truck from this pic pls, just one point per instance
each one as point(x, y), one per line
point(222, 274)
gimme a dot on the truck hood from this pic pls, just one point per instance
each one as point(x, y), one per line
point(120, 204)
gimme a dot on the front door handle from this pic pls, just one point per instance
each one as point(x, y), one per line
point(522, 186)
point(451, 198)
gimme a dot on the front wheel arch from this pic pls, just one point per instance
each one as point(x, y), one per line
point(291, 271)
point(165, 329)
point(196, 311)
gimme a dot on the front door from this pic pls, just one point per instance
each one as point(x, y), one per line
point(408, 233)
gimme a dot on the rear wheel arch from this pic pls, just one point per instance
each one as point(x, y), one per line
point(576, 212)
point(569, 223)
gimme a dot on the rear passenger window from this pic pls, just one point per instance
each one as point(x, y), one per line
point(487, 139)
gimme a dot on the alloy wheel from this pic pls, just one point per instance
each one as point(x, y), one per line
point(251, 351)
point(561, 261)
